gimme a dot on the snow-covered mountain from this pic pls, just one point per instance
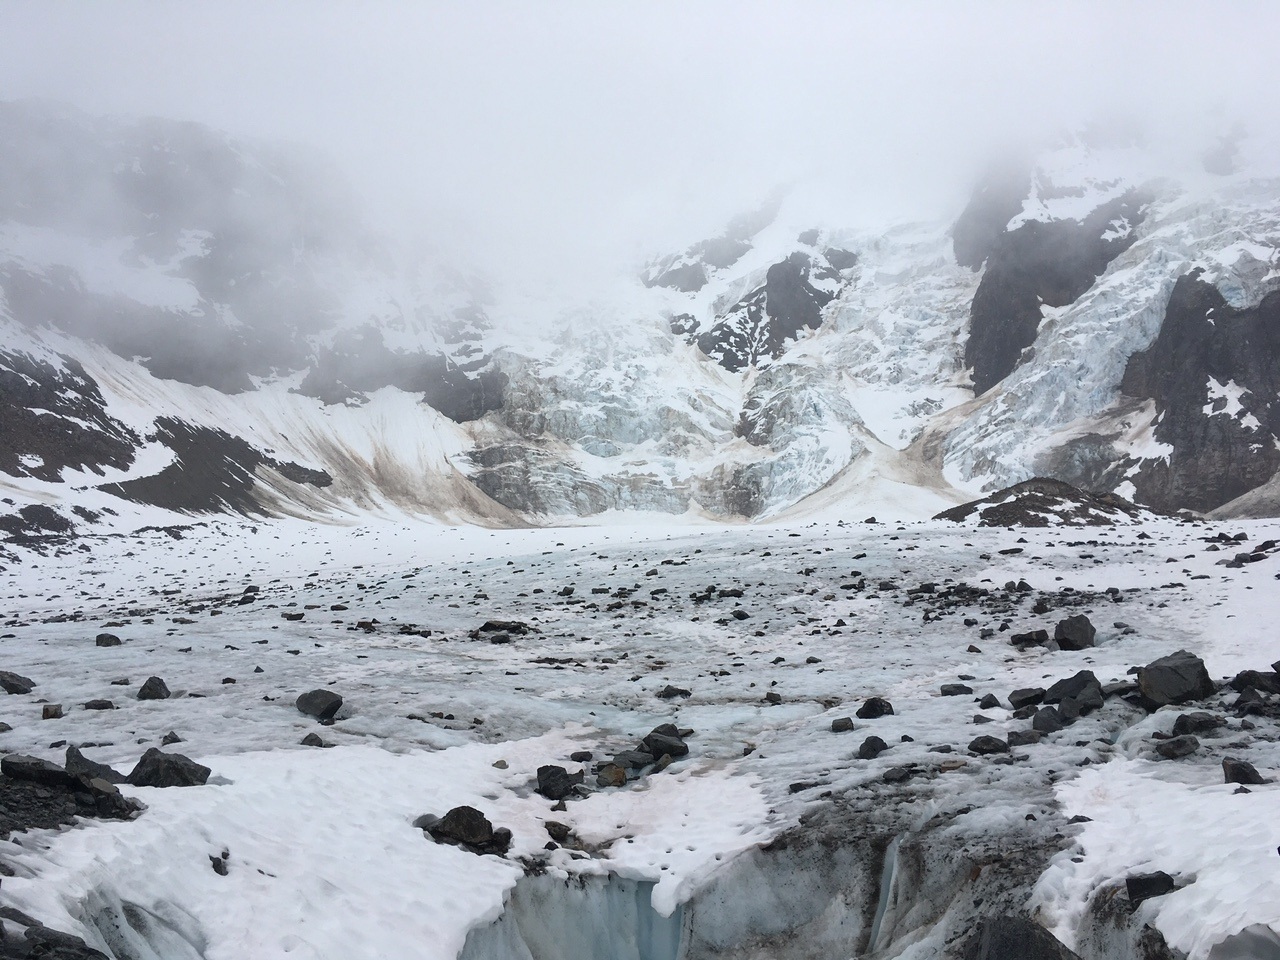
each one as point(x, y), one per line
point(196, 324)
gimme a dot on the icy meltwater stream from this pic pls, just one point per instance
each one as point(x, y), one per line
point(768, 840)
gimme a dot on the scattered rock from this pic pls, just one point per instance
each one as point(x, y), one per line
point(956, 690)
point(871, 748)
point(1026, 697)
point(1177, 678)
point(107, 640)
point(321, 704)
point(51, 711)
point(34, 770)
point(469, 828)
point(1083, 688)
point(873, 708)
point(170, 738)
point(670, 693)
point(610, 775)
point(1175, 748)
point(1075, 633)
point(842, 725)
point(1241, 771)
point(159, 769)
point(987, 746)
point(313, 740)
point(1198, 722)
point(153, 689)
point(79, 765)
point(16, 682)
point(99, 705)
point(556, 783)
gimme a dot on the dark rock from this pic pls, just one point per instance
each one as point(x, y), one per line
point(842, 725)
point(46, 943)
point(986, 746)
point(556, 783)
point(1177, 678)
point(896, 775)
point(1144, 886)
point(99, 705)
point(1075, 633)
point(581, 756)
point(610, 775)
point(1175, 748)
point(1046, 720)
point(871, 748)
point(107, 640)
point(468, 827)
point(989, 702)
point(1023, 738)
point(670, 693)
point(51, 711)
point(873, 708)
point(1013, 938)
point(1030, 639)
point(153, 689)
point(313, 740)
point(1241, 771)
point(78, 765)
point(955, 690)
point(321, 704)
point(1198, 722)
point(1026, 697)
point(16, 682)
point(159, 769)
point(170, 738)
point(663, 744)
point(34, 770)
point(629, 759)
point(1083, 687)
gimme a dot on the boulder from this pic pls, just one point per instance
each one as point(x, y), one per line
point(1241, 771)
point(153, 689)
point(321, 704)
point(987, 746)
point(1175, 748)
point(1197, 722)
point(556, 783)
point(1177, 678)
point(1013, 938)
point(1074, 633)
point(79, 765)
point(842, 724)
point(467, 827)
point(18, 766)
point(107, 640)
point(1026, 697)
point(159, 769)
point(871, 748)
point(15, 682)
point(955, 690)
point(1047, 720)
point(873, 708)
point(1083, 688)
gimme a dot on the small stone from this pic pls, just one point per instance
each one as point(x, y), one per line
point(842, 725)
point(321, 704)
point(51, 711)
point(1197, 722)
point(871, 748)
point(1175, 748)
point(611, 775)
point(988, 746)
point(1046, 720)
point(955, 690)
point(1023, 738)
point(99, 705)
point(896, 775)
point(107, 640)
point(153, 689)
point(313, 740)
point(873, 708)
point(170, 738)
point(581, 756)
point(1026, 697)
point(1241, 771)
point(989, 702)
point(556, 783)
point(670, 692)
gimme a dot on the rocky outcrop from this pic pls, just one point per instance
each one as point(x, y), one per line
point(1214, 374)
point(1040, 264)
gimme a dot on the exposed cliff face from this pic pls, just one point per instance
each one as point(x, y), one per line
point(1040, 264)
point(1214, 374)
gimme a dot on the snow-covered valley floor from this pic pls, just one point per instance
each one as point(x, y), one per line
point(772, 838)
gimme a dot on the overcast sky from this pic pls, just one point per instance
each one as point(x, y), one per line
point(601, 129)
